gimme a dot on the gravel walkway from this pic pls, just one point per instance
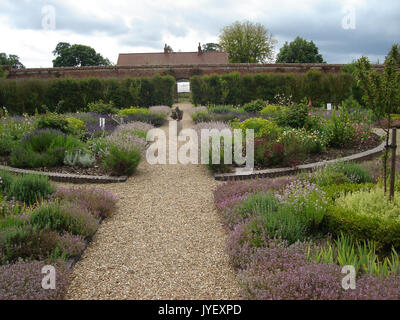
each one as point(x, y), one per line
point(166, 241)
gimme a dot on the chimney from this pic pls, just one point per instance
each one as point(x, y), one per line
point(199, 50)
point(165, 48)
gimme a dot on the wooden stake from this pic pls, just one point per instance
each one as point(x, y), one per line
point(393, 167)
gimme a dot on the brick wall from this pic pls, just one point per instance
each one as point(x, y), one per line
point(179, 71)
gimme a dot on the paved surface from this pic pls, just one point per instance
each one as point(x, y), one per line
point(166, 241)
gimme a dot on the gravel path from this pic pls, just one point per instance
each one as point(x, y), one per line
point(166, 241)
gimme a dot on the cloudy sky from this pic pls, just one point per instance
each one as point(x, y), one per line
point(343, 30)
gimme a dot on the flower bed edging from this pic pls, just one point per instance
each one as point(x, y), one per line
point(68, 178)
point(279, 172)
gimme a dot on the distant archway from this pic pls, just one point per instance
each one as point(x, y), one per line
point(183, 92)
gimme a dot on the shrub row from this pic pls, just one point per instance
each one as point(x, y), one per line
point(238, 89)
point(71, 95)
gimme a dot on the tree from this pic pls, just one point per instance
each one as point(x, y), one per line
point(77, 55)
point(211, 47)
point(247, 42)
point(12, 60)
point(382, 96)
point(299, 51)
point(395, 53)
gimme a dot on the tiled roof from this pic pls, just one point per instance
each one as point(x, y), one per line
point(174, 58)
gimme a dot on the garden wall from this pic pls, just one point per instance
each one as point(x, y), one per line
point(235, 88)
point(177, 71)
point(71, 95)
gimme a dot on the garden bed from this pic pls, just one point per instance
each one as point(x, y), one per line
point(44, 225)
point(279, 172)
point(94, 146)
point(290, 237)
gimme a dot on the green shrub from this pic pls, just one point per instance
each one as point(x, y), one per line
point(79, 158)
point(77, 126)
point(270, 111)
point(260, 126)
point(342, 130)
point(258, 203)
point(255, 106)
point(7, 179)
point(102, 108)
point(366, 215)
point(355, 172)
point(294, 116)
point(133, 111)
point(64, 218)
point(44, 148)
point(7, 145)
point(282, 224)
point(26, 242)
point(240, 89)
point(26, 96)
point(201, 116)
point(220, 167)
point(54, 121)
point(121, 162)
point(30, 189)
point(334, 191)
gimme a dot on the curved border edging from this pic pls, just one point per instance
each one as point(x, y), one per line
point(68, 178)
point(279, 172)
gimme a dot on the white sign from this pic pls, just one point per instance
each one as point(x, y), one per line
point(329, 107)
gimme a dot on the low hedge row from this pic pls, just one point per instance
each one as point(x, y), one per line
point(72, 95)
point(236, 89)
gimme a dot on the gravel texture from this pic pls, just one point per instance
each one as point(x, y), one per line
point(166, 241)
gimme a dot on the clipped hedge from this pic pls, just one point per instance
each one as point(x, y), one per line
point(72, 95)
point(236, 89)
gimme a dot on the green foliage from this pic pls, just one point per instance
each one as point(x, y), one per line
point(334, 191)
point(235, 89)
point(260, 126)
point(44, 148)
point(77, 126)
point(280, 223)
point(26, 242)
point(133, 111)
point(102, 107)
point(211, 47)
point(30, 189)
point(77, 56)
point(79, 158)
point(299, 51)
point(201, 116)
point(341, 129)
point(247, 42)
point(26, 96)
point(255, 106)
point(366, 215)
point(54, 121)
point(355, 172)
point(121, 162)
point(270, 111)
point(63, 218)
point(7, 179)
point(217, 164)
point(341, 173)
point(258, 203)
point(10, 60)
point(294, 116)
point(344, 251)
